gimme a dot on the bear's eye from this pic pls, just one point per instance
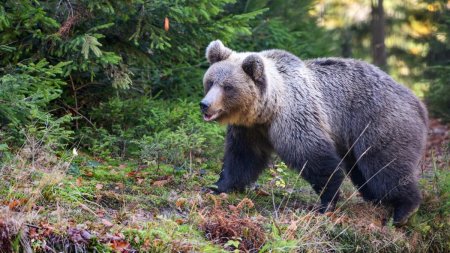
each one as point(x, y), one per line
point(209, 84)
point(227, 87)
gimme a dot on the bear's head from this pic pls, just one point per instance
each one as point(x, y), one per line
point(234, 85)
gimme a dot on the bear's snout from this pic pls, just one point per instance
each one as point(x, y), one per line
point(204, 106)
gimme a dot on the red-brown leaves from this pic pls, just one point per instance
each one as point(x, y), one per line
point(162, 181)
point(222, 225)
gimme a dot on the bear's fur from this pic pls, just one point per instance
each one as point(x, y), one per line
point(318, 116)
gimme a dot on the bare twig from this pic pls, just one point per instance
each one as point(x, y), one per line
point(77, 112)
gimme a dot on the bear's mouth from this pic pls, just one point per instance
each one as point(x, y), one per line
point(211, 116)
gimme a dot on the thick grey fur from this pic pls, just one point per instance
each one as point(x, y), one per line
point(343, 113)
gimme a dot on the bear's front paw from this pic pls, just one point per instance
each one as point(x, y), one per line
point(209, 189)
point(214, 189)
point(223, 186)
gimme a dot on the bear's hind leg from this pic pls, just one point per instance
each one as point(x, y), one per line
point(391, 181)
point(358, 179)
point(406, 201)
point(361, 185)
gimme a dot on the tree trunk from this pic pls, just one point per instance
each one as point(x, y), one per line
point(378, 34)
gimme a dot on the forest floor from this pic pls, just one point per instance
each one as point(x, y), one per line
point(85, 204)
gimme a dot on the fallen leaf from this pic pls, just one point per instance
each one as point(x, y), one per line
point(373, 227)
point(261, 192)
point(89, 173)
point(341, 220)
point(291, 230)
point(78, 182)
point(32, 232)
point(162, 182)
point(120, 246)
point(146, 243)
point(98, 186)
point(107, 223)
point(180, 203)
point(119, 186)
point(330, 214)
point(100, 213)
point(232, 208)
point(157, 243)
point(13, 204)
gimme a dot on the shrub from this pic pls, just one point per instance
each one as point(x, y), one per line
point(154, 130)
point(25, 95)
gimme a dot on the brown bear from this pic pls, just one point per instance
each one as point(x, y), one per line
point(327, 118)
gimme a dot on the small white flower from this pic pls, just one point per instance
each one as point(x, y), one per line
point(74, 152)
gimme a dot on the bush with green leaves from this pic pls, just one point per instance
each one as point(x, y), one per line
point(285, 25)
point(438, 61)
point(108, 41)
point(25, 94)
point(153, 129)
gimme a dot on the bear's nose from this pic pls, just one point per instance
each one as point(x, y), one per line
point(204, 106)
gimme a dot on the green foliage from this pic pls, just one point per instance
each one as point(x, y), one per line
point(25, 95)
point(438, 101)
point(155, 130)
point(438, 59)
point(431, 221)
point(167, 236)
point(29, 88)
point(276, 28)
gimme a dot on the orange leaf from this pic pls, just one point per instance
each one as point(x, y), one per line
point(79, 181)
point(14, 203)
point(132, 174)
point(166, 24)
point(32, 233)
point(119, 186)
point(120, 246)
point(180, 203)
point(157, 243)
point(162, 182)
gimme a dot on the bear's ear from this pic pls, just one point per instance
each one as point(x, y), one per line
point(216, 51)
point(254, 67)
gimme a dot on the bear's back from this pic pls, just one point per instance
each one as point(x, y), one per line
point(357, 93)
point(350, 93)
point(355, 86)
